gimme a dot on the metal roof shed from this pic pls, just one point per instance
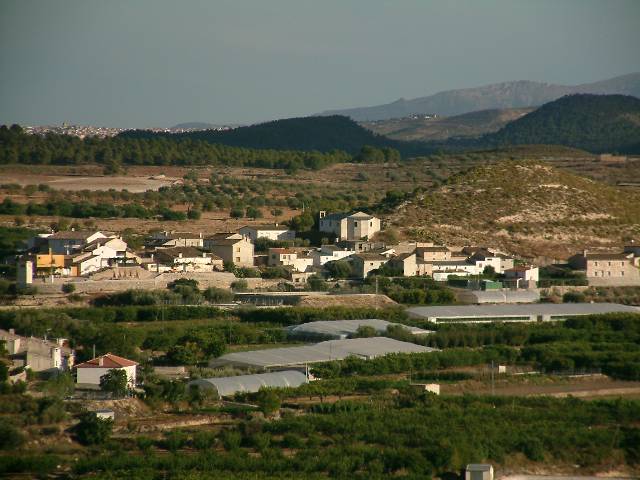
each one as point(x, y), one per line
point(226, 386)
point(341, 329)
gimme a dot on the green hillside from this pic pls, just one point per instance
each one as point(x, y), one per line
point(596, 123)
point(323, 134)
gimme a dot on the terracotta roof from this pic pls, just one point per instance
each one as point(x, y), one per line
point(174, 252)
point(108, 361)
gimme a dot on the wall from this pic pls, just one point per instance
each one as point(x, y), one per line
point(205, 280)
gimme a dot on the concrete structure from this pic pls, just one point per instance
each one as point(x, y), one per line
point(365, 263)
point(433, 253)
point(91, 371)
point(609, 269)
point(105, 414)
point(175, 239)
point(357, 226)
point(365, 348)
point(515, 313)
point(405, 263)
point(228, 386)
point(40, 355)
point(231, 247)
point(342, 329)
point(186, 259)
point(499, 296)
point(525, 276)
point(270, 232)
point(478, 471)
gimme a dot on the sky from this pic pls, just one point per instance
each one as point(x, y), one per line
point(156, 63)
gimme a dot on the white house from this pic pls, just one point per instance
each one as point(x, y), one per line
point(66, 242)
point(330, 253)
point(270, 232)
point(92, 370)
point(186, 259)
point(356, 226)
point(296, 258)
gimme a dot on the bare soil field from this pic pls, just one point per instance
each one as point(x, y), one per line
point(590, 387)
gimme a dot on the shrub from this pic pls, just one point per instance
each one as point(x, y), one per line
point(93, 430)
point(68, 288)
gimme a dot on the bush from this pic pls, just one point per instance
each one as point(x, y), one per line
point(10, 436)
point(240, 285)
point(218, 295)
point(93, 430)
point(573, 297)
point(68, 288)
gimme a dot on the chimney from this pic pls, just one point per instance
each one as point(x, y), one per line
point(200, 234)
point(584, 253)
point(101, 361)
point(12, 331)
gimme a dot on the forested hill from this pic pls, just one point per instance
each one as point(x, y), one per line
point(323, 134)
point(596, 123)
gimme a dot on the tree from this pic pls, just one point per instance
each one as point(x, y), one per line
point(268, 401)
point(92, 430)
point(339, 269)
point(115, 381)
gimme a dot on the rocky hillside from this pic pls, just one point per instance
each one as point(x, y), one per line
point(518, 94)
point(525, 207)
point(471, 124)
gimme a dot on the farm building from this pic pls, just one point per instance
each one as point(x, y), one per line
point(227, 386)
point(366, 348)
point(516, 313)
point(341, 329)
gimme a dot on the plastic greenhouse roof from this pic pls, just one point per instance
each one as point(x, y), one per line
point(560, 309)
point(345, 328)
point(226, 386)
point(320, 352)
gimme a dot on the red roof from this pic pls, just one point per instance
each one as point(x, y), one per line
point(108, 361)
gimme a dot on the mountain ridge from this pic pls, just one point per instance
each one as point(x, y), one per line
point(512, 94)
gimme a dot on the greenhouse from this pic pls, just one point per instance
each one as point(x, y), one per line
point(227, 386)
point(366, 348)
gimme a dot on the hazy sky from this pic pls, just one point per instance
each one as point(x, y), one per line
point(142, 63)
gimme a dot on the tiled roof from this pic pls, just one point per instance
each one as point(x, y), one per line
point(108, 361)
point(72, 235)
point(608, 256)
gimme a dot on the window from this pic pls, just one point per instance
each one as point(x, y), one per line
point(238, 249)
point(237, 259)
point(609, 273)
point(371, 224)
point(609, 263)
point(595, 263)
point(622, 273)
point(355, 224)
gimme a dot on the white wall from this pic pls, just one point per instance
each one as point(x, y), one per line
point(92, 375)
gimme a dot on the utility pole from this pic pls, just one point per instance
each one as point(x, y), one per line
point(493, 387)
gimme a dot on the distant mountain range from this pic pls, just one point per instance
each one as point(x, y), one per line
point(516, 94)
point(596, 123)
